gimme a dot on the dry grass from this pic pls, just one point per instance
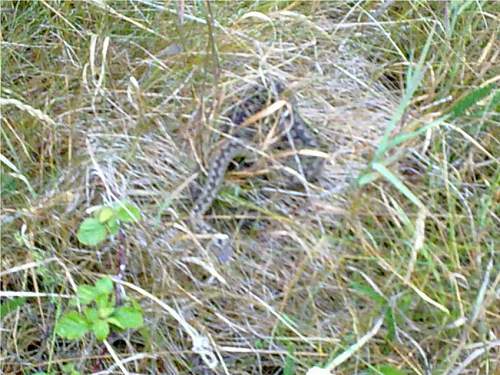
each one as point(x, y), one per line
point(103, 101)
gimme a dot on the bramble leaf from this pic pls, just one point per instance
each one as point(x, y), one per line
point(103, 301)
point(105, 312)
point(91, 232)
point(127, 212)
point(100, 329)
point(127, 317)
point(72, 326)
point(104, 285)
point(91, 314)
point(86, 294)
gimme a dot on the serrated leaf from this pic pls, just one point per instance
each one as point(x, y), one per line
point(86, 294)
point(102, 301)
point(115, 322)
point(127, 212)
point(104, 285)
point(105, 214)
point(100, 329)
point(91, 232)
point(105, 312)
point(72, 326)
point(128, 317)
point(91, 314)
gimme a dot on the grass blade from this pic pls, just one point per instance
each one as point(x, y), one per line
point(398, 184)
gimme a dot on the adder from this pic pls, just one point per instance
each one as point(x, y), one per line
point(261, 120)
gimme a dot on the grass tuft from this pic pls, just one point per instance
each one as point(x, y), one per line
point(386, 265)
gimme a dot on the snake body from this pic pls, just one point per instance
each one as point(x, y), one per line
point(291, 128)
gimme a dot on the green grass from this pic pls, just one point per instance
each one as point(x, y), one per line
point(390, 266)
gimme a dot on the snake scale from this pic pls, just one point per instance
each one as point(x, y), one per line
point(243, 138)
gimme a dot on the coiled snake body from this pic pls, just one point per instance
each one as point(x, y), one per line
point(244, 138)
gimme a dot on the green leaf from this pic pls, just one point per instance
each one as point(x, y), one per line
point(86, 294)
point(105, 214)
point(104, 285)
point(72, 326)
point(91, 232)
point(367, 178)
point(8, 184)
point(128, 317)
point(398, 184)
point(115, 322)
point(127, 212)
point(103, 301)
point(404, 137)
point(10, 305)
point(470, 99)
point(387, 370)
point(369, 292)
point(370, 176)
point(105, 312)
point(69, 369)
point(391, 324)
point(259, 344)
point(289, 365)
point(100, 329)
point(414, 77)
point(91, 314)
point(113, 226)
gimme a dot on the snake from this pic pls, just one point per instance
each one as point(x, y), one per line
point(242, 140)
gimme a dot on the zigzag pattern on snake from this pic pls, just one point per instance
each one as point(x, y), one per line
point(244, 137)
